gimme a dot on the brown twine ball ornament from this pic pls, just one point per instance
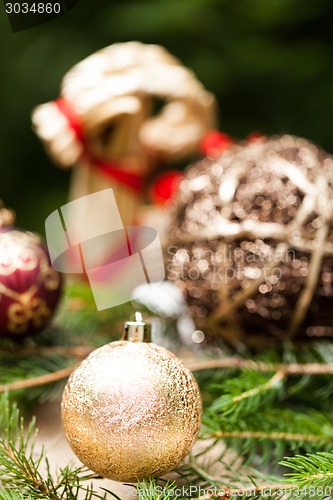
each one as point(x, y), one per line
point(131, 410)
point(251, 242)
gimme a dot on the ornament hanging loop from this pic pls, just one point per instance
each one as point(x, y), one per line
point(137, 331)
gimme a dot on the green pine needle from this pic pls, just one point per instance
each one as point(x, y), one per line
point(20, 475)
point(246, 393)
point(312, 474)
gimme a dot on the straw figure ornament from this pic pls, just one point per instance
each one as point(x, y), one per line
point(104, 123)
point(251, 242)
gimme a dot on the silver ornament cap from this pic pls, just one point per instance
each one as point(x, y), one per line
point(137, 331)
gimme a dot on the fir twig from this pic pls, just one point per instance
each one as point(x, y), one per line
point(315, 470)
point(268, 434)
point(271, 436)
point(47, 378)
point(270, 491)
point(20, 464)
point(79, 352)
point(283, 370)
point(246, 393)
point(40, 369)
point(288, 369)
point(236, 481)
point(151, 489)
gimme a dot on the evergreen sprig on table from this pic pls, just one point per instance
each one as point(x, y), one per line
point(261, 407)
point(20, 475)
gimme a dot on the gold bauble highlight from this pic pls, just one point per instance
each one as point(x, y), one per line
point(131, 410)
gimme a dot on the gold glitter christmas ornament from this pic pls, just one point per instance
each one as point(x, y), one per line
point(131, 409)
point(251, 242)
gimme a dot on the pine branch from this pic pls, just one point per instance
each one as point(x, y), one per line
point(20, 464)
point(237, 482)
point(265, 491)
point(315, 470)
point(52, 355)
point(8, 494)
point(59, 346)
point(152, 489)
point(269, 434)
point(47, 378)
point(261, 410)
point(21, 479)
point(289, 370)
point(79, 352)
point(312, 477)
point(246, 393)
point(41, 370)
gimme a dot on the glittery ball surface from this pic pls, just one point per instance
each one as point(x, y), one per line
point(131, 410)
point(30, 288)
point(251, 241)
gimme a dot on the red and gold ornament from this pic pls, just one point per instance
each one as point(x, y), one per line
point(30, 288)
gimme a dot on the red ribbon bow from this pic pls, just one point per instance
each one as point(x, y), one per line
point(115, 170)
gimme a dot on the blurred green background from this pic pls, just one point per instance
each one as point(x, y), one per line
point(269, 62)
